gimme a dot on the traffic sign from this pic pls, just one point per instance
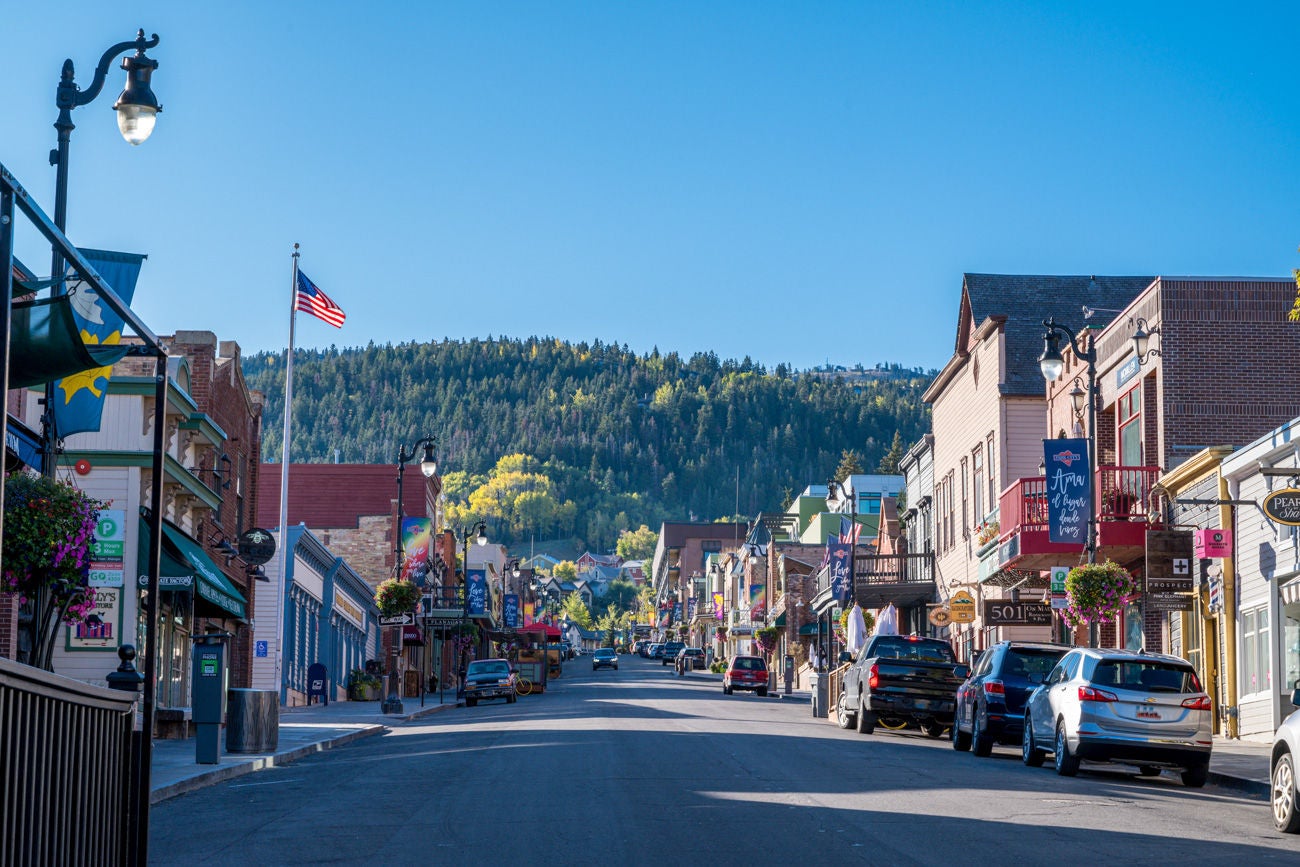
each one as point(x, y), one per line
point(1059, 574)
point(398, 620)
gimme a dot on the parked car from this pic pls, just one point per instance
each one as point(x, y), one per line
point(745, 672)
point(669, 651)
point(689, 659)
point(655, 651)
point(991, 703)
point(1122, 706)
point(1286, 762)
point(487, 679)
point(900, 678)
point(604, 657)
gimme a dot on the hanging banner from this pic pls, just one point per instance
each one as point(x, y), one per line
point(677, 612)
point(841, 555)
point(719, 612)
point(79, 399)
point(476, 592)
point(416, 533)
point(757, 600)
point(510, 611)
point(1069, 486)
point(691, 605)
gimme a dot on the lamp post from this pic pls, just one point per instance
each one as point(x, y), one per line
point(1052, 363)
point(428, 467)
point(137, 108)
point(479, 530)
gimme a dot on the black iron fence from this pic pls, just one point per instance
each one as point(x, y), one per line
point(66, 760)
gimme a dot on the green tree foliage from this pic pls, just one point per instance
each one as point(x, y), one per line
point(850, 465)
point(596, 439)
point(565, 570)
point(576, 611)
point(638, 544)
point(621, 595)
point(889, 463)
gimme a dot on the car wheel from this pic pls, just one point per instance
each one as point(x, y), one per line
point(866, 720)
point(1067, 764)
point(960, 740)
point(762, 692)
point(933, 729)
point(726, 690)
point(471, 702)
point(616, 666)
point(512, 698)
point(1195, 776)
point(1031, 755)
point(1148, 771)
point(1286, 812)
point(844, 718)
point(980, 742)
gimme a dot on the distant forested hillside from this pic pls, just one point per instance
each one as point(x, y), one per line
point(595, 438)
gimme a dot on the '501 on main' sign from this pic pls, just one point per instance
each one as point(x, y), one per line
point(999, 612)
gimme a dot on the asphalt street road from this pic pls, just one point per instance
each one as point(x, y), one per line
point(638, 766)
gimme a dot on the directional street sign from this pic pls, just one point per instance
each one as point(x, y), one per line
point(399, 620)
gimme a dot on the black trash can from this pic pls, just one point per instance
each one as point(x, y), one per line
point(252, 721)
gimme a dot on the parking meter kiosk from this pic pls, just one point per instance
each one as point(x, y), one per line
point(207, 695)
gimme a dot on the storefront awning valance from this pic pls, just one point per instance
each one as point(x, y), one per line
point(186, 567)
point(45, 345)
point(808, 629)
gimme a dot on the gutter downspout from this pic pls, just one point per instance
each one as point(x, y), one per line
point(1228, 626)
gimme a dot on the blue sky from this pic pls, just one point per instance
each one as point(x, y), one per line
point(794, 182)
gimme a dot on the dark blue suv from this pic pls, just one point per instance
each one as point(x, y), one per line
point(991, 702)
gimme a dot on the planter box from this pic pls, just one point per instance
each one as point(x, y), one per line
point(363, 693)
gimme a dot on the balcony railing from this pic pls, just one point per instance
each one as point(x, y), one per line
point(899, 578)
point(1121, 495)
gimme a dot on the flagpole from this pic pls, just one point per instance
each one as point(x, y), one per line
point(284, 482)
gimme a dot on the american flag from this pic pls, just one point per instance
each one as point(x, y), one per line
point(849, 530)
point(311, 300)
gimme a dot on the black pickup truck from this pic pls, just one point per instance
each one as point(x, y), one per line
point(899, 679)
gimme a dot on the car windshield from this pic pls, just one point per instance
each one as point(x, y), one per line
point(604, 651)
point(907, 648)
point(489, 667)
point(1145, 675)
point(1029, 663)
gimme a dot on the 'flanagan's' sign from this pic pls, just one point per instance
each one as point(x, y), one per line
point(1283, 506)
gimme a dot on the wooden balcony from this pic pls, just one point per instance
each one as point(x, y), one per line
point(1122, 495)
point(903, 579)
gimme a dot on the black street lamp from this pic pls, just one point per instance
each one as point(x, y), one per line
point(479, 529)
point(137, 109)
point(1052, 364)
point(428, 466)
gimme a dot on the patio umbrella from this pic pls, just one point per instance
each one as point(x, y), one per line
point(856, 633)
point(887, 623)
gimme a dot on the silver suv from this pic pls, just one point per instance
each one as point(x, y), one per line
point(1286, 763)
point(1132, 708)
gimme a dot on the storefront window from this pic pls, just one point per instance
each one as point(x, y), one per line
point(1256, 674)
point(1291, 645)
point(1133, 626)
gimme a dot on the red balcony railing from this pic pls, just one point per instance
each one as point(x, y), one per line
point(1121, 495)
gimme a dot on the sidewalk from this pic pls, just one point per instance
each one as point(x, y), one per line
point(303, 730)
point(1241, 765)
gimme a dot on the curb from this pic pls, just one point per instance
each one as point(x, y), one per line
point(260, 763)
point(1254, 788)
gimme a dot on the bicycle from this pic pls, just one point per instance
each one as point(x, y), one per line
point(523, 686)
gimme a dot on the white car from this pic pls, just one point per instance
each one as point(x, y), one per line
point(1286, 762)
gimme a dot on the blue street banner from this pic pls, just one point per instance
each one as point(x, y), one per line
point(841, 579)
point(677, 612)
point(79, 399)
point(476, 592)
point(690, 608)
point(510, 610)
point(1069, 485)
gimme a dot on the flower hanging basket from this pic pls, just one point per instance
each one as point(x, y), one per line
point(1098, 592)
point(396, 597)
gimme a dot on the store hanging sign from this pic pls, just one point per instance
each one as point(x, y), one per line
point(1283, 506)
point(1212, 544)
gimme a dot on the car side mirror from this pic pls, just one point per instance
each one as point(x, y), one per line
point(1295, 695)
point(962, 671)
point(845, 656)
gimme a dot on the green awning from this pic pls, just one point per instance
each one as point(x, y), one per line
point(808, 628)
point(45, 345)
point(185, 566)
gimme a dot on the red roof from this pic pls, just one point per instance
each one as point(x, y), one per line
point(326, 496)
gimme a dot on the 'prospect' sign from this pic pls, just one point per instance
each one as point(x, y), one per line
point(1069, 486)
